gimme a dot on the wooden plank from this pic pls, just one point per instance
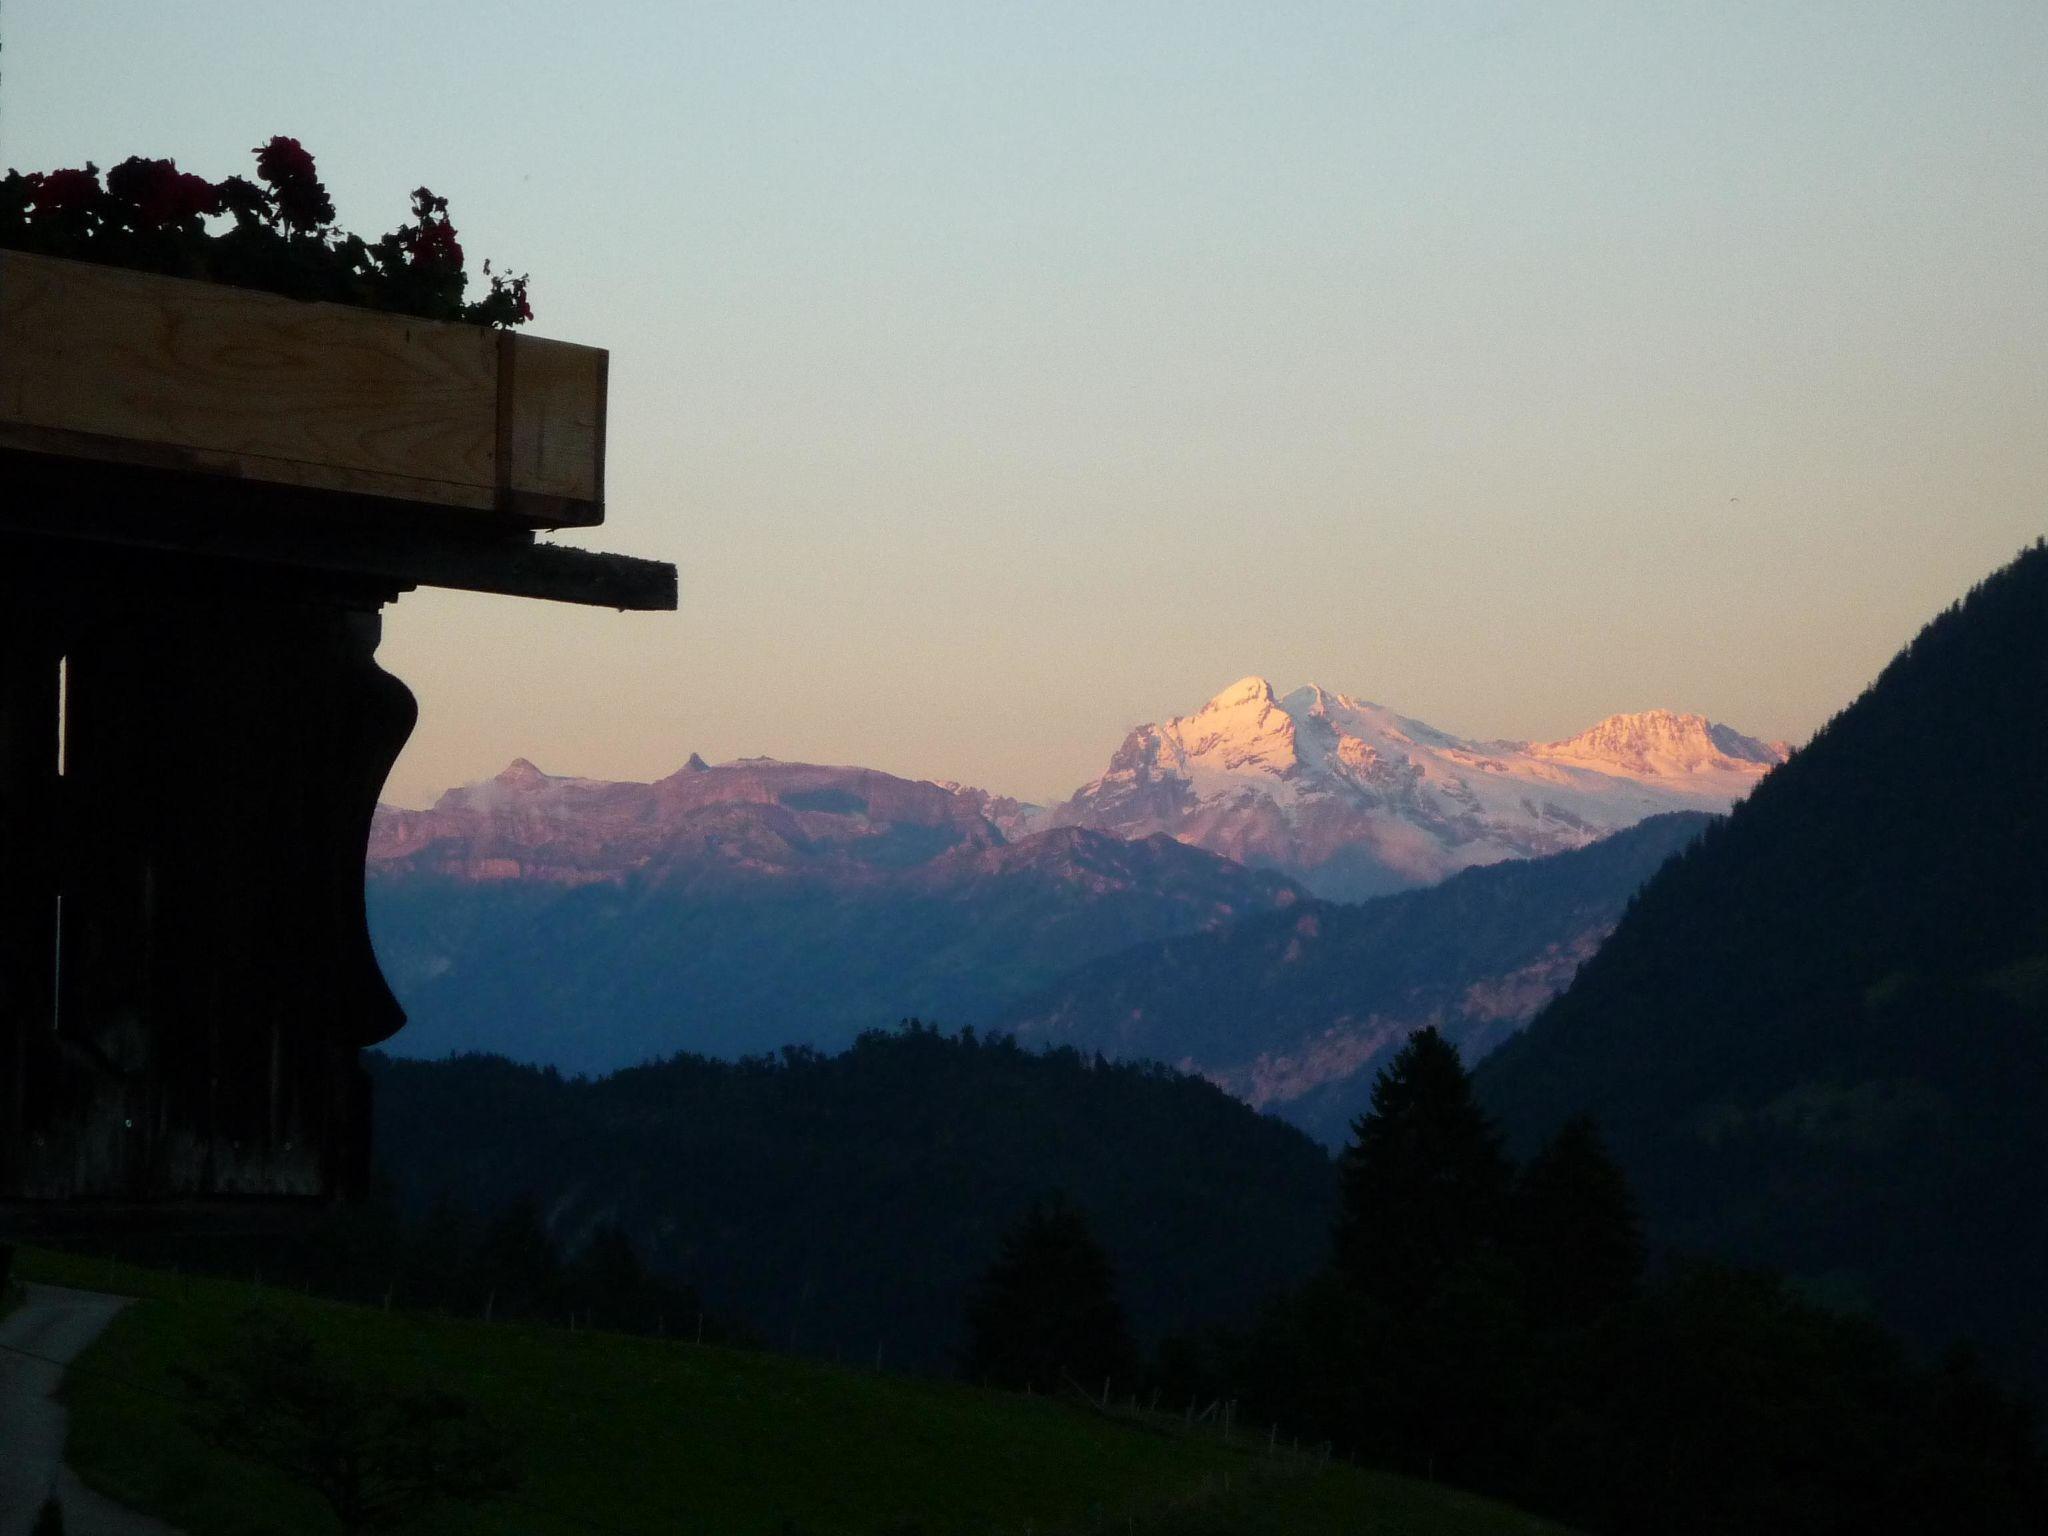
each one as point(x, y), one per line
point(131, 367)
point(135, 356)
point(551, 418)
point(285, 474)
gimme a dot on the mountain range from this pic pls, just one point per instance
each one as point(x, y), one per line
point(729, 909)
point(1352, 800)
point(739, 908)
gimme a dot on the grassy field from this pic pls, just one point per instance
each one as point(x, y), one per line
point(648, 1436)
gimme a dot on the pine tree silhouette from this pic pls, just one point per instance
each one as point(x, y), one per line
point(1045, 1315)
point(1576, 1234)
point(1424, 1180)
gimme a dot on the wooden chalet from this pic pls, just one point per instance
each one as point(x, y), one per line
point(207, 497)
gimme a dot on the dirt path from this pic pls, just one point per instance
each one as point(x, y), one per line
point(47, 1331)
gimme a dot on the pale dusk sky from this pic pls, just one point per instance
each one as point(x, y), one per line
point(1000, 376)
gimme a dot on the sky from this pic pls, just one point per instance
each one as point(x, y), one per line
point(1000, 376)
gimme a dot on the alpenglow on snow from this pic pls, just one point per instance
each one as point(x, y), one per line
point(1354, 800)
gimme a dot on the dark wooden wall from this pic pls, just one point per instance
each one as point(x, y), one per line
point(185, 972)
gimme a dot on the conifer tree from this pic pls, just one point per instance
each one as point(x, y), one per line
point(1577, 1237)
point(1424, 1180)
point(1045, 1315)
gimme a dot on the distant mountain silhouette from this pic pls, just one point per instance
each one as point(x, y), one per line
point(1296, 1011)
point(754, 818)
point(736, 908)
point(1819, 1038)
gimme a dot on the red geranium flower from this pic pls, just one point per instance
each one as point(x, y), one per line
point(302, 202)
point(196, 197)
point(284, 159)
point(150, 214)
point(61, 190)
point(434, 245)
point(160, 193)
point(431, 243)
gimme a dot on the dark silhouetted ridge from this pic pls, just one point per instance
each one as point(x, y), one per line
point(1817, 1037)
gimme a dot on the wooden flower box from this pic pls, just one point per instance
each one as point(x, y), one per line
point(161, 373)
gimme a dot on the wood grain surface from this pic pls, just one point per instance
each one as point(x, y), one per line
point(138, 368)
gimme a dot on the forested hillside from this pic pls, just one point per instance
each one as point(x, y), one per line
point(1820, 1037)
point(841, 1204)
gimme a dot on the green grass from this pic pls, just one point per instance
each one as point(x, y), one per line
point(648, 1436)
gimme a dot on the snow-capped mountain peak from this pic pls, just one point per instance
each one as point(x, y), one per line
point(1353, 799)
point(1662, 743)
point(1243, 729)
point(1245, 691)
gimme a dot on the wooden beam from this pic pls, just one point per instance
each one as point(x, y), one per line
point(115, 507)
point(551, 572)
